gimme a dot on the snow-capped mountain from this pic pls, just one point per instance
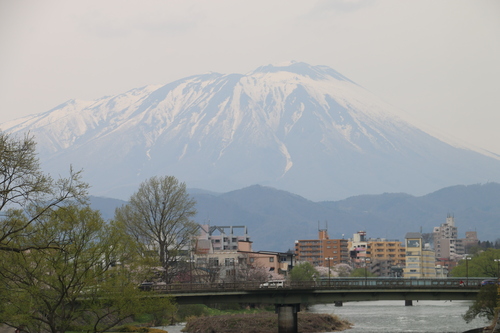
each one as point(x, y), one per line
point(301, 128)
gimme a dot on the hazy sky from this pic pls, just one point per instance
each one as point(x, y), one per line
point(436, 60)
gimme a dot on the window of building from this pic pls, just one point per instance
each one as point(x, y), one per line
point(271, 259)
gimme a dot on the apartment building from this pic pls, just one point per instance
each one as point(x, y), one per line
point(221, 255)
point(277, 262)
point(385, 257)
point(420, 258)
point(445, 239)
point(470, 240)
point(387, 250)
point(358, 246)
point(322, 251)
point(447, 245)
point(223, 237)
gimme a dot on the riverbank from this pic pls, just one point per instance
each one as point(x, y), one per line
point(264, 323)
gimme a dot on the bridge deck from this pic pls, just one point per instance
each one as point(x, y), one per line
point(324, 292)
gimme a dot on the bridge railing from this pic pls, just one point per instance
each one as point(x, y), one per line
point(334, 283)
point(398, 283)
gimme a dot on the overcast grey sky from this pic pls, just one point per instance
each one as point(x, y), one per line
point(436, 60)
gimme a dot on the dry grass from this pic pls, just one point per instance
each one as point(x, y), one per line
point(264, 323)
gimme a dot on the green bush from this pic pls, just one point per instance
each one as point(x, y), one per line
point(196, 310)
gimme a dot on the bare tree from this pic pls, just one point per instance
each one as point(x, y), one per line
point(159, 217)
point(26, 194)
point(207, 271)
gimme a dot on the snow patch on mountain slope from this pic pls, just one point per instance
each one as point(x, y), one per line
point(295, 124)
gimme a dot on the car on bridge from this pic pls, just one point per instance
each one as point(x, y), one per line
point(489, 282)
point(273, 284)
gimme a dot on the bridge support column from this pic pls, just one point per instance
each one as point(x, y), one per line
point(287, 317)
point(408, 302)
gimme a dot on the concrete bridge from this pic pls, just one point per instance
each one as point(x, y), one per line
point(287, 299)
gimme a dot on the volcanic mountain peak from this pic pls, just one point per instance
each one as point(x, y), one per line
point(305, 129)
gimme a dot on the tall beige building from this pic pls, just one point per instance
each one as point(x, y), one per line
point(445, 239)
point(447, 245)
point(420, 259)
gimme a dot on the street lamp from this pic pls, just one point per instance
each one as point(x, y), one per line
point(328, 270)
point(467, 270)
point(498, 267)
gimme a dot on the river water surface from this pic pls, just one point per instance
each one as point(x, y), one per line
point(394, 317)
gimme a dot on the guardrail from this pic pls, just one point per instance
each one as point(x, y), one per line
point(334, 283)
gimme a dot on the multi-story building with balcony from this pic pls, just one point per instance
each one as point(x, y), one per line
point(322, 251)
point(385, 257)
point(445, 239)
point(447, 245)
point(223, 237)
point(222, 256)
point(420, 258)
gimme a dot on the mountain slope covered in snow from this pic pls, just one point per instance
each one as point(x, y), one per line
point(301, 128)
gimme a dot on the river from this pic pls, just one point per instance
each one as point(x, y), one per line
point(394, 317)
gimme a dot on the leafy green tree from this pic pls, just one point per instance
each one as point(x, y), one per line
point(86, 282)
point(162, 309)
point(361, 272)
point(27, 195)
point(303, 271)
point(481, 265)
point(484, 305)
point(159, 219)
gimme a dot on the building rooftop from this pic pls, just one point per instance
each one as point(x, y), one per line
point(413, 235)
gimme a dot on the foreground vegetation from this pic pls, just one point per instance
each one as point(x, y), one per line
point(482, 263)
point(62, 267)
point(265, 322)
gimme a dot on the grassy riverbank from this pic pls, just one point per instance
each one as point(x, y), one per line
point(264, 322)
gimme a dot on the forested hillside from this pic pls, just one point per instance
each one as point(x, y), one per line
point(275, 218)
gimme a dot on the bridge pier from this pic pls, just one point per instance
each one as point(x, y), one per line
point(408, 302)
point(287, 317)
